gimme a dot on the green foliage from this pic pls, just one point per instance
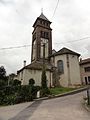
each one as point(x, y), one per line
point(3, 82)
point(44, 89)
point(60, 90)
point(34, 90)
point(17, 94)
point(44, 92)
point(3, 78)
point(16, 82)
point(9, 100)
point(11, 76)
point(11, 82)
point(8, 94)
point(44, 78)
point(2, 72)
point(31, 82)
point(24, 94)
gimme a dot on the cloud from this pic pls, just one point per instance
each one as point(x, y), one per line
point(5, 2)
point(71, 21)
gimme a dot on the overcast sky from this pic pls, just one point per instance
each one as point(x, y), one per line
point(71, 22)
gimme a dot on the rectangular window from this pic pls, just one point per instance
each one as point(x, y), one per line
point(87, 69)
point(44, 34)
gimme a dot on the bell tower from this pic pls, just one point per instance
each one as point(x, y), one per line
point(42, 34)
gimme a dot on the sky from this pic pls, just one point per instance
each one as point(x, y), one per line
point(70, 28)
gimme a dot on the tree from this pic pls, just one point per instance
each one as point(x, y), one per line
point(44, 78)
point(2, 72)
point(16, 82)
point(44, 91)
point(3, 78)
point(11, 78)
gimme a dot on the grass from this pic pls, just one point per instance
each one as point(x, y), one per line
point(60, 90)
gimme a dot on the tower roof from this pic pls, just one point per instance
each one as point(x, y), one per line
point(42, 16)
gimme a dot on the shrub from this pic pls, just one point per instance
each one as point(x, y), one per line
point(35, 89)
point(44, 78)
point(16, 82)
point(44, 92)
point(25, 94)
point(9, 100)
point(17, 94)
point(31, 82)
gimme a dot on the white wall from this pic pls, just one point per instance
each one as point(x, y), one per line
point(71, 75)
point(74, 70)
point(63, 77)
point(36, 75)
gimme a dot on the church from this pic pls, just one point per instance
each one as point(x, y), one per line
point(62, 67)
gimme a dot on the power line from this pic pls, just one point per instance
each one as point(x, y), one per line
point(7, 48)
point(15, 47)
point(74, 40)
point(55, 9)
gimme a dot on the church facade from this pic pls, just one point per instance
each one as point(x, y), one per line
point(62, 67)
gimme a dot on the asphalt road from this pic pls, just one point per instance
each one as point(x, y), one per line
point(63, 108)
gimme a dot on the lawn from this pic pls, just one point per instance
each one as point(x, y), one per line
point(60, 90)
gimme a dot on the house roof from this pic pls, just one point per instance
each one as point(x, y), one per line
point(65, 51)
point(37, 66)
point(85, 61)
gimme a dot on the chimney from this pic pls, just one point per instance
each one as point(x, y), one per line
point(24, 63)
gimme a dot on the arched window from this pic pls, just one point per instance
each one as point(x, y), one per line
point(60, 66)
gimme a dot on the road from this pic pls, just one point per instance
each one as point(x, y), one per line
point(62, 108)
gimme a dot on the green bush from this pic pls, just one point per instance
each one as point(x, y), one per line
point(44, 78)
point(15, 82)
point(35, 89)
point(31, 82)
point(8, 95)
point(44, 92)
point(17, 94)
point(24, 94)
point(9, 100)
